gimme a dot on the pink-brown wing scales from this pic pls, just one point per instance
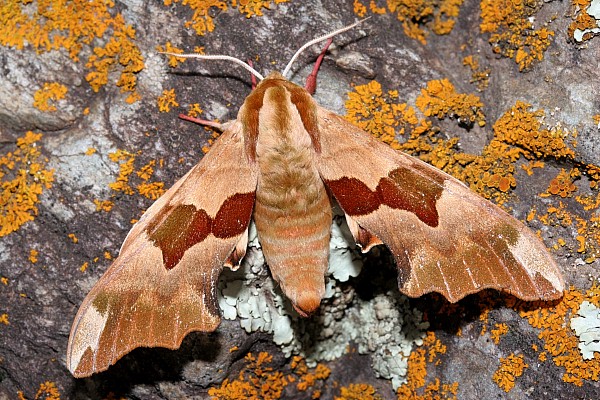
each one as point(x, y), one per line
point(444, 237)
point(163, 284)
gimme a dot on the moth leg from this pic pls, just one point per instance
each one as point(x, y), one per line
point(363, 237)
point(239, 251)
point(311, 81)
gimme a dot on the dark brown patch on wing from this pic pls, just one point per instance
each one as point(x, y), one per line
point(185, 225)
point(403, 189)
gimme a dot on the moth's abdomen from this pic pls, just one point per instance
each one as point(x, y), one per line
point(293, 225)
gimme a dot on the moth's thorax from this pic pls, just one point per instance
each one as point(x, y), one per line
point(275, 106)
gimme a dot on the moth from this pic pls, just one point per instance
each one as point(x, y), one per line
point(282, 162)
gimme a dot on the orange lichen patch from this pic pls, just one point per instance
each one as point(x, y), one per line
point(510, 368)
point(440, 100)
point(563, 185)
point(211, 140)
point(194, 110)
point(84, 266)
point(512, 32)
point(438, 16)
point(23, 178)
point(107, 255)
point(4, 319)
point(531, 164)
point(584, 27)
point(90, 151)
point(51, 91)
point(498, 331)
point(46, 391)
point(169, 48)
point(55, 24)
point(479, 76)
point(306, 377)
point(167, 100)
point(596, 119)
point(202, 21)
point(73, 237)
point(560, 342)
point(253, 7)
point(120, 50)
point(522, 127)
point(256, 381)
point(125, 160)
point(33, 256)
point(358, 391)
point(377, 113)
point(415, 387)
point(151, 190)
point(103, 205)
point(4, 280)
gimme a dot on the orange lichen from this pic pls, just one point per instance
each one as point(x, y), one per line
point(4, 280)
point(4, 319)
point(84, 266)
point(23, 178)
point(55, 24)
point(255, 381)
point(480, 77)
point(125, 160)
point(512, 32)
point(33, 256)
point(307, 378)
point(439, 16)
point(103, 205)
point(585, 26)
point(73, 237)
point(90, 151)
point(377, 113)
point(167, 100)
point(194, 110)
point(107, 255)
point(46, 391)
point(496, 333)
point(202, 21)
point(563, 185)
point(440, 100)
point(151, 190)
point(51, 91)
point(415, 387)
point(173, 60)
point(358, 391)
point(560, 342)
point(510, 368)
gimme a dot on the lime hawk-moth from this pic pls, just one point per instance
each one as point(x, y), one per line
point(282, 162)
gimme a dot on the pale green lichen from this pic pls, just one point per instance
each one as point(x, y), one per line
point(384, 326)
point(587, 328)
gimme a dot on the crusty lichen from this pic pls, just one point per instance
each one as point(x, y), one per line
point(586, 22)
point(439, 16)
point(512, 32)
point(46, 391)
point(587, 328)
point(202, 20)
point(441, 100)
point(44, 98)
point(560, 342)
point(55, 24)
point(510, 368)
point(358, 391)
point(23, 178)
point(167, 100)
point(479, 76)
point(416, 386)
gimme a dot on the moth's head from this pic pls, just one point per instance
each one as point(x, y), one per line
point(285, 74)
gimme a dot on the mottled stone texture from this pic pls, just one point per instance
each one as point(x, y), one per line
point(41, 299)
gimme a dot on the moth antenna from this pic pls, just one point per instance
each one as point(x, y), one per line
point(317, 40)
point(218, 57)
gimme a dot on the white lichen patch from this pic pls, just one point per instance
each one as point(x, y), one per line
point(587, 328)
point(383, 326)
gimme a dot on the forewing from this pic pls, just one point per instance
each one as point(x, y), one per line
point(444, 237)
point(163, 284)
